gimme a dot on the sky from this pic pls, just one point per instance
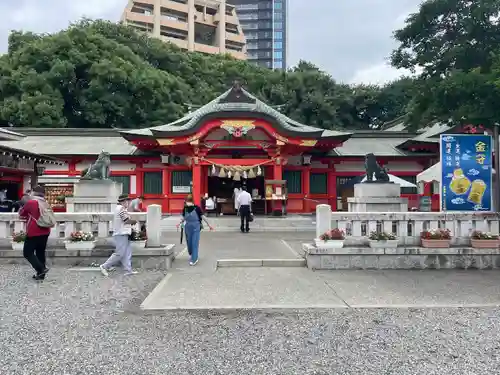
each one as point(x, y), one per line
point(349, 39)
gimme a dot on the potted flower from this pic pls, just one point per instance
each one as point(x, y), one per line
point(436, 238)
point(138, 239)
point(333, 239)
point(379, 240)
point(18, 239)
point(484, 240)
point(80, 240)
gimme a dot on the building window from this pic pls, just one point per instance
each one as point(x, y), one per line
point(278, 15)
point(278, 45)
point(181, 181)
point(124, 180)
point(153, 183)
point(293, 181)
point(278, 55)
point(278, 64)
point(409, 190)
point(318, 183)
point(278, 5)
point(278, 25)
point(278, 35)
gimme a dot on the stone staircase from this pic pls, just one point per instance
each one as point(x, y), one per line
point(290, 223)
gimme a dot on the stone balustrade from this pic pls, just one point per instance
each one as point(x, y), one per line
point(155, 255)
point(100, 224)
point(407, 226)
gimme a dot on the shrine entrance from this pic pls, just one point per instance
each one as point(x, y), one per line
point(224, 182)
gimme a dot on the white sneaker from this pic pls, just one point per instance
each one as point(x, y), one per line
point(131, 273)
point(193, 263)
point(104, 271)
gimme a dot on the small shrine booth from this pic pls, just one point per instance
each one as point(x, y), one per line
point(18, 169)
point(236, 141)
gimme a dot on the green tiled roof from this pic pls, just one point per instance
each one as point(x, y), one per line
point(357, 146)
point(72, 145)
point(191, 119)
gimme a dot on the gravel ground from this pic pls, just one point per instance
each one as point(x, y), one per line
point(81, 323)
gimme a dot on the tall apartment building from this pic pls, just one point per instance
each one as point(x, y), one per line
point(264, 23)
point(209, 26)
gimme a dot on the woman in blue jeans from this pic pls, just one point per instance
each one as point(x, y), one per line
point(192, 215)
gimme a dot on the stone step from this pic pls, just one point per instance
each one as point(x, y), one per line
point(232, 224)
point(261, 263)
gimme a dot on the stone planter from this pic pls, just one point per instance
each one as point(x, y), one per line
point(18, 246)
point(331, 244)
point(138, 245)
point(80, 245)
point(484, 244)
point(391, 244)
point(436, 244)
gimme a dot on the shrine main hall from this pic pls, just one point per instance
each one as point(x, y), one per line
point(233, 141)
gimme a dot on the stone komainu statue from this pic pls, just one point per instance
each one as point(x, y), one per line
point(374, 169)
point(99, 170)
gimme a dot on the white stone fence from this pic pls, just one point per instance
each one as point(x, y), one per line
point(99, 223)
point(406, 225)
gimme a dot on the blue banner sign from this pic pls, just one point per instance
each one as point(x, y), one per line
point(466, 172)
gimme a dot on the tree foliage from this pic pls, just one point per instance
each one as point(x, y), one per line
point(456, 45)
point(100, 74)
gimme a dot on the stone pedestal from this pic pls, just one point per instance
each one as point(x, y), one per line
point(153, 228)
point(377, 197)
point(323, 219)
point(94, 196)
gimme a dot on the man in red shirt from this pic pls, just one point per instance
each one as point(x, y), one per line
point(36, 236)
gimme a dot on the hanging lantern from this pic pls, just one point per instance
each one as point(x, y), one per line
point(245, 175)
point(222, 173)
point(259, 171)
point(251, 174)
point(229, 174)
point(237, 176)
point(214, 171)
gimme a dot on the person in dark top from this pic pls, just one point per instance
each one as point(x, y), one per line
point(192, 216)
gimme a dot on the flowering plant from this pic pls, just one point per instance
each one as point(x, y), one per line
point(478, 235)
point(19, 237)
point(436, 234)
point(80, 236)
point(334, 234)
point(381, 236)
point(138, 235)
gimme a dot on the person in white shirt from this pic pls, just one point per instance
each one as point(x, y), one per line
point(122, 230)
point(244, 203)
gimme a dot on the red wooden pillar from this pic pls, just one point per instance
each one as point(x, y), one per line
point(165, 176)
point(277, 172)
point(332, 187)
point(306, 188)
point(196, 181)
point(139, 180)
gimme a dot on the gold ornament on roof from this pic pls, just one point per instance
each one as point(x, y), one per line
point(166, 141)
point(308, 142)
point(237, 128)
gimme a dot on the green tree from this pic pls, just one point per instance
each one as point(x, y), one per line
point(101, 74)
point(455, 44)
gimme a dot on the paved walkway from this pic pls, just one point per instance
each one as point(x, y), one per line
point(216, 246)
point(208, 287)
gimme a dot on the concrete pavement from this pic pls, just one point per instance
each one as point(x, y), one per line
point(206, 286)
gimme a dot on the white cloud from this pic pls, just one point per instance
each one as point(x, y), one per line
point(378, 74)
